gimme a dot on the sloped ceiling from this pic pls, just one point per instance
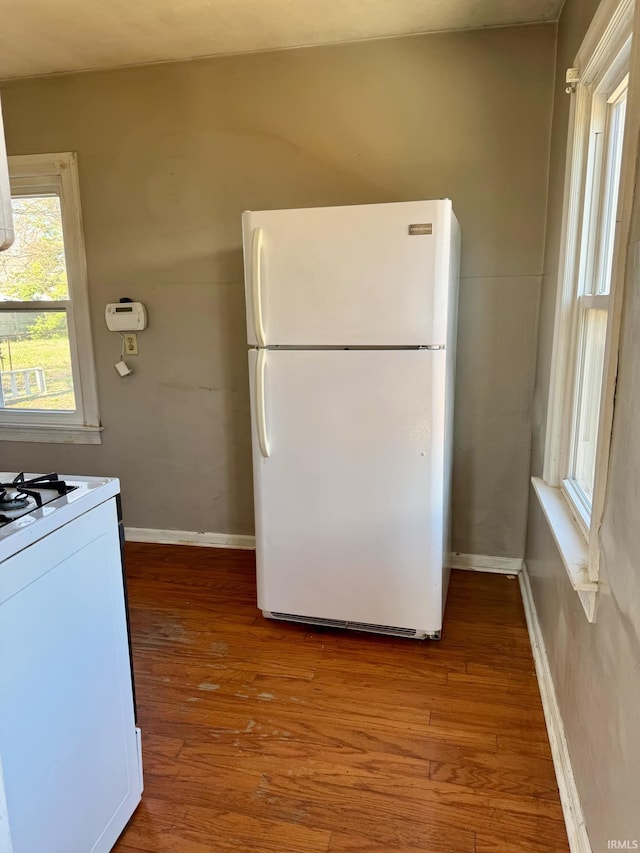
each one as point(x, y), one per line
point(39, 37)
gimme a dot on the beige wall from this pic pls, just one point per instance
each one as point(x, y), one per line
point(170, 155)
point(594, 666)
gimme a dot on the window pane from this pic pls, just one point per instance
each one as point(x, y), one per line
point(35, 361)
point(616, 133)
point(34, 267)
point(594, 335)
point(593, 230)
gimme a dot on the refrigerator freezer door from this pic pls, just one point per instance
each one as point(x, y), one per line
point(364, 275)
point(349, 514)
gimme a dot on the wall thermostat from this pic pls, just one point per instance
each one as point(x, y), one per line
point(126, 316)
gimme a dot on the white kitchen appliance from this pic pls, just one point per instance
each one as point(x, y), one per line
point(70, 758)
point(351, 324)
point(6, 218)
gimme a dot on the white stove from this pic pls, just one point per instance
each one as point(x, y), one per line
point(70, 757)
point(34, 505)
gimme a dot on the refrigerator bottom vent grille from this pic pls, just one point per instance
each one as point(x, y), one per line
point(353, 626)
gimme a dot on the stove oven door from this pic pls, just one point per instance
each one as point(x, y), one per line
point(68, 743)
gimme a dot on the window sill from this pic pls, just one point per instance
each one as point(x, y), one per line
point(51, 434)
point(571, 544)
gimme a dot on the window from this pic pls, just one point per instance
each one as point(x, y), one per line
point(592, 263)
point(48, 388)
point(592, 287)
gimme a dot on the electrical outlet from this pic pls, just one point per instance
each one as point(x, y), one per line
point(131, 344)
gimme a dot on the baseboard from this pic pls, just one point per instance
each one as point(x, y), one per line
point(189, 537)
point(469, 562)
point(571, 806)
point(484, 563)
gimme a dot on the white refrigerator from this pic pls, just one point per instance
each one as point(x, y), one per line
point(351, 327)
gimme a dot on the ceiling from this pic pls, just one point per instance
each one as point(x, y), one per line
point(76, 35)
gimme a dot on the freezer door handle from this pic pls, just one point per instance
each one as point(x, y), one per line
point(261, 413)
point(256, 286)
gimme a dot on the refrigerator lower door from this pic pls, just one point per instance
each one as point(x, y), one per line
point(348, 452)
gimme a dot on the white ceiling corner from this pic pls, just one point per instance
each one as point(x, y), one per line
point(77, 35)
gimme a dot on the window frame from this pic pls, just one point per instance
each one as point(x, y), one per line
point(607, 52)
point(58, 174)
point(596, 240)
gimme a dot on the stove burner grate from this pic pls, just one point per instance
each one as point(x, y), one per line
point(19, 492)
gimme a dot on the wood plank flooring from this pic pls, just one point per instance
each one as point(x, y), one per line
point(265, 736)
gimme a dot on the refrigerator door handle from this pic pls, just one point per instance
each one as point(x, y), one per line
point(256, 286)
point(261, 414)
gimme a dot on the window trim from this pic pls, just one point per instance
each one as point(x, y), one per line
point(602, 47)
point(59, 173)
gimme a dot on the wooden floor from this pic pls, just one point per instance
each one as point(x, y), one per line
point(266, 736)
